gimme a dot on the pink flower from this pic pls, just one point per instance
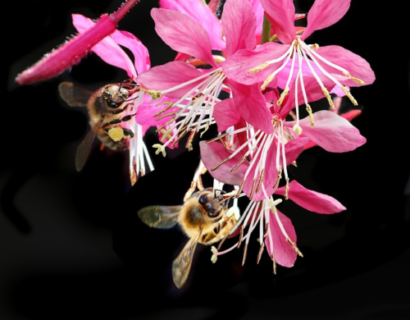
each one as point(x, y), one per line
point(69, 54)
point(197, 90)
point(293, 59)
point(268, 142)
point(276, 231)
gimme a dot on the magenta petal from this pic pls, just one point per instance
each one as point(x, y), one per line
point(356, 65)
point(332, 132)
point(107, 49)
point(183, 34)
point(283, 252)
point(226, 114)
point(252, 106)
point(199, 12)
point(213, 154)
point(282, 18)
point(141, 56)
point(146, 111)
point(323, 14)
point(294, 148)
point(239, 25)
point(311, 200)
point(168, 76)
point(237, 66)
point(259, 13)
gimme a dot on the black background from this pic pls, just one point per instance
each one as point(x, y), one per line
point(72, 247)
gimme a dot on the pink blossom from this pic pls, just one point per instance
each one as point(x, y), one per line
point(293, 58)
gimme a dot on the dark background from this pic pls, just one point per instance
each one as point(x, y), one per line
point(72, 247)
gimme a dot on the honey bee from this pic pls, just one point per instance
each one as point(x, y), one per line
point(109, 109)
point(203, 219)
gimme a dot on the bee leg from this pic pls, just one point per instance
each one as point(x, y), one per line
point(196, 181)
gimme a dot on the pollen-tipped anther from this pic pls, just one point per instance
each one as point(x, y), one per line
point(297, 129)
point(155, 95)
point(328, 97)
point(349, 95)
point(160, 148)
point(347, 74)
point(259, 68)
point(267, 81)
point(214, 257)
point(169, 105)
point(309, 110)
point(294, 247)
point(282, 96)
point(166, 134)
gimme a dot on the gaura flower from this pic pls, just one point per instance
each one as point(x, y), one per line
point(139, 109)
point(71, 52)
point(267, 142)
point(293, 59)
point(196, 90)
point(276, 231)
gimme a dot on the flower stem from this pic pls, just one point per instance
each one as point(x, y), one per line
point(265, 30)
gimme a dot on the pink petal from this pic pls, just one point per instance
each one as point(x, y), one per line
point(107, 49)
point(183, 34)
point(323, 14)
point(226, 114)
point(281, 14)
point(356, 65)
point(294, 148)
point(259, 13)
point(252, 106)
point(237, 67)
point(214, 153)
point(282, 251)
point(146, 111)
point(239, 25)
point(141, 56)
point(199, 12)
point(168, 76)
point(311, 200)
point(332, 132)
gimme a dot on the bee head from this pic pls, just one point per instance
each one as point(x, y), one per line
point(211, 204)
point(114, 95)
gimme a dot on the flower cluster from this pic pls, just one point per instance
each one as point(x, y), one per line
point(252, 51)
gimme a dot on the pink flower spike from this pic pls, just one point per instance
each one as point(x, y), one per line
point(276, 244)
point(73, 51)
point(202, 14)
point(323, 14)
point(107, 49)
point(311, 200)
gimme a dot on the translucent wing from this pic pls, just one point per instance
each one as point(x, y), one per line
point(161, 217)
point(83, 150)
point(182, 264)
point(74, 95)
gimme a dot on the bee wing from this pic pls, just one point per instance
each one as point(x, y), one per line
point(74, 95)
point(182, 264)
point(161, 217)
point(83, 150)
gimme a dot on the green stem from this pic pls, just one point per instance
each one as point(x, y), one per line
point(265, 30)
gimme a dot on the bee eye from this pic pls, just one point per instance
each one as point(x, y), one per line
point(203, 200)
point(112, 104)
